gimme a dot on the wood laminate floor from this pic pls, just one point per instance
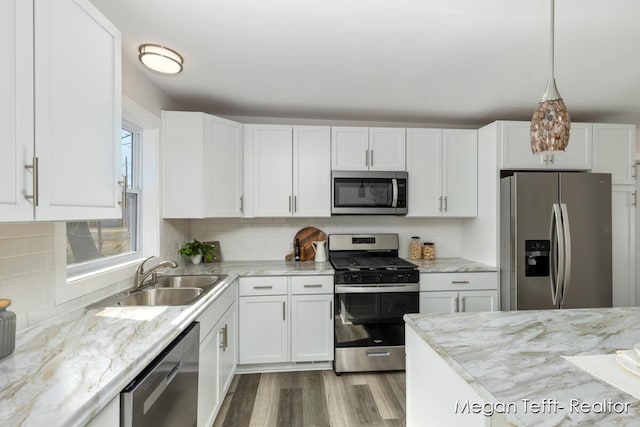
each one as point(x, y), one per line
point(314, 398)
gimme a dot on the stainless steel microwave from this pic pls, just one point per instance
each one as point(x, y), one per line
point(368, 193)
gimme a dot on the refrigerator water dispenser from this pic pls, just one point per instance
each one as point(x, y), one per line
point(536, 254)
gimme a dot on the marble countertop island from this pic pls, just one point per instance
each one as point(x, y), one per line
point(517, 357)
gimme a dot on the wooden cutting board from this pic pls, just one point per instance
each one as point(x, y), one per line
point(306, 236)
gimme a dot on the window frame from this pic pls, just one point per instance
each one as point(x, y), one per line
point(87, 268)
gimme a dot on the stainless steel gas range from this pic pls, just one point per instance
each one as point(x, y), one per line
point(374, 288)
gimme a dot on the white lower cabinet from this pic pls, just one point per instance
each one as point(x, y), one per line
point(458, 292)
point(285, 319)
point(109, 416)
point(217, 355)
point(623, 249)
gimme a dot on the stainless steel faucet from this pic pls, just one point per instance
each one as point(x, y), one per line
point(141, 275)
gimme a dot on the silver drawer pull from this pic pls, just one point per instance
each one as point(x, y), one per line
point(312, 286)
point(459, 282)
point(378, 354)
point(263, 287)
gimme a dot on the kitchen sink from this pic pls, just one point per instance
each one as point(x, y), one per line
point(162, 296)
point(175, 290)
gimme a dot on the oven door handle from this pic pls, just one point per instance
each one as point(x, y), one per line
point(376, 289)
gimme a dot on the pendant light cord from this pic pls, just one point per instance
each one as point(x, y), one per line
point(553, 24)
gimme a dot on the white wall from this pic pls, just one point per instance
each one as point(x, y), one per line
point(272, 238)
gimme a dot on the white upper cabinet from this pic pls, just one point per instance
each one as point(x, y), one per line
point(202, 153)
point(614, 151)
point(311, 171)
point(515, 149)
point(367, 149)
point(273, 169)
point(387, 150)
point(291, 174)
point(16, 108)
point(78, 111)
point(442, 166)
point(61, 112)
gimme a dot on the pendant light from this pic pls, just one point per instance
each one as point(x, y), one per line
point(550, 124)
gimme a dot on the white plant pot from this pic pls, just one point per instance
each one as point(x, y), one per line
point(196, 259)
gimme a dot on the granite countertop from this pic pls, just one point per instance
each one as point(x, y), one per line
point(510, 356)
point(64, 371)
point(451, 265)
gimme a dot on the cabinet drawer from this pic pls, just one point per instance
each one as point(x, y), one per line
point(276, 285)
point(214, 312)
point(301, 285)
point(458, 281)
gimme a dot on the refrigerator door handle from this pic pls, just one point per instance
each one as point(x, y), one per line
point(567, 256)
point(557, 254)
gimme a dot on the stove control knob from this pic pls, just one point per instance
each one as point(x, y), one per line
point(394, 278)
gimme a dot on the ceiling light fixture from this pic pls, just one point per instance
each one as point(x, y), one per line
point(550, 125)
point(159, 58)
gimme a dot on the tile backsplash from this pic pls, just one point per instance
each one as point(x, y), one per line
point(272, 238)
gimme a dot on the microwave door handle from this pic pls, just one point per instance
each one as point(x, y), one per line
point(394, 202)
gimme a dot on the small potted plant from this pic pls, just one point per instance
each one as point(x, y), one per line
point(197, 250)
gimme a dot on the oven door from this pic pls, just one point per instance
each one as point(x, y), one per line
point(371, 315)
point(369, 193)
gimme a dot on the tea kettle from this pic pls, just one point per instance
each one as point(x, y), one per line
point(320, 250)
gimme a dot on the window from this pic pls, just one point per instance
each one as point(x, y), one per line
point(97, 244)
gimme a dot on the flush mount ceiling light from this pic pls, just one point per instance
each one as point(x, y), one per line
point(550, 124)
point(159, 58)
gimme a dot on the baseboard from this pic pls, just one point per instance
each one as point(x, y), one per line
point(260, 368)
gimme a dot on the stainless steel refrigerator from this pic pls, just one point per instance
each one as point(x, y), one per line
point(555, 240)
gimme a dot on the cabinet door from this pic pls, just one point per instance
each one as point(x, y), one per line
point(623, 200)
point(515, 147)
point(183, 149)
point(387, 149)
point(78, 111)
point(311, 328)
point(312, 171)
point(424, 164)
point(460, 172)
point(226, 352)
point(16, 109)
point(349, 148)
point(473, 301)
point(578, 153)
point(439, 302)
point(224, 168)
point(263, 329)
point(614, 152)
point(208, 393)
point(272, 170)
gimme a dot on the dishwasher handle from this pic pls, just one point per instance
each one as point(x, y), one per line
point(155, 394)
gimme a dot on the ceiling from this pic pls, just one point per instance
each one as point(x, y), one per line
point(465, 62)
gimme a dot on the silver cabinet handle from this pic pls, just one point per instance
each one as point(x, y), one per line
point(454, 305)
point(295, 203)
point(224, 337)
point(330, 309)
point(371, 155)
point(461, 304)
point(313, 286)
point(635, 199)
point(284, 308)
point(35, 196)
point(289, 203)
point(123, 202)
point(551, 158)
point(366, 157)
point(241, 203)
point(458, 282)
point(445, 203)
point(440, 205)
point(263, 287)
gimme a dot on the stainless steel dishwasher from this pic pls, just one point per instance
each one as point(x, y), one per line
point(166, 392)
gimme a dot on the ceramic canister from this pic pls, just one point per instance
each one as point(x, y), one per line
point(7, 329)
